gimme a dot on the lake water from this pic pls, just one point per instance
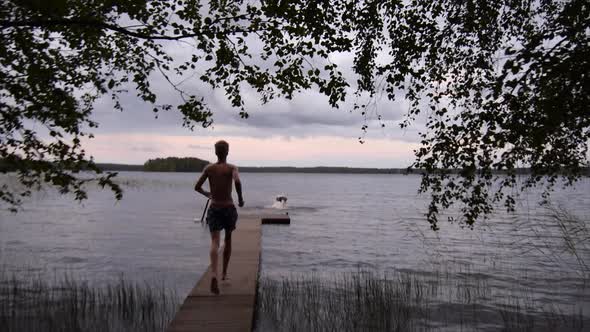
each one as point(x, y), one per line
point(339, 223)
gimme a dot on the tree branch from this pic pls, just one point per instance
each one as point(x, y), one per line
point(102, 25)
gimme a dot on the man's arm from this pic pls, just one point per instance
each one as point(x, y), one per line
point(199, 185)
point(238, 184)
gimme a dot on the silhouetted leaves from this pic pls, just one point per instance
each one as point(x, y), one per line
point(500, 84)
point(58, 57)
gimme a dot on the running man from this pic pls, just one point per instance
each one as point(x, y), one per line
point(222, 213)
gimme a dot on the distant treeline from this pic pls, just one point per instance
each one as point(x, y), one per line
point(12, 165)
point(6, 166)
point(120, 167)
point(171, 164)
point(174, 164)
point(324, 169)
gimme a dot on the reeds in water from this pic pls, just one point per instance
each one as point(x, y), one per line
point(365, 301)
point(67, 305)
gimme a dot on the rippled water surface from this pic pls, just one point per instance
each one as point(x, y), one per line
point(339, 223)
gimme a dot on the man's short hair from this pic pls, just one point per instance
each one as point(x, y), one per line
point(221, 147)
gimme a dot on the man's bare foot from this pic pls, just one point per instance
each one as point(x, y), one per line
point(214, 286)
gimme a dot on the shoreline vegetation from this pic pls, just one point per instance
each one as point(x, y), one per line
point(191, 165)
point(367, 301)
point(348, 301)
point(32, 303)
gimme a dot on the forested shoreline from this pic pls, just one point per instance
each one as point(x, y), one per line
point(190, 164)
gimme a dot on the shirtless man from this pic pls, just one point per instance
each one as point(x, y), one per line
point(222, 213)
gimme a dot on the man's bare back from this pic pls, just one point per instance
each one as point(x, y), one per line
point(221, 175)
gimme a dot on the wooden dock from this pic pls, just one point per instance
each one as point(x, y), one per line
point(233, 309)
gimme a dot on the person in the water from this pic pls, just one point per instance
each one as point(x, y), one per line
point(222, 214)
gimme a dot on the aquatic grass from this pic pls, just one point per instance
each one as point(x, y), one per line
point(34, 304)
point(363, 301)
point(349, 302)
point(575, 233)
point(557, 236)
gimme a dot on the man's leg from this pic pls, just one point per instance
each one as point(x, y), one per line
point(226, 253)
point(213, 259)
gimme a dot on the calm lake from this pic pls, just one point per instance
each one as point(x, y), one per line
point(339, 223)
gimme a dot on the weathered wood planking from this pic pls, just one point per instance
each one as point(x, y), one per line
point(233, 309)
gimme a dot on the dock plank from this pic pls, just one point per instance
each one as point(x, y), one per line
point(215, 313)
point(233, 309)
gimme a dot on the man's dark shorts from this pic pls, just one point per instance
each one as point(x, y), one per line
point(220, 218)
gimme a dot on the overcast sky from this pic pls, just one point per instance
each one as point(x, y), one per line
point(304, 131)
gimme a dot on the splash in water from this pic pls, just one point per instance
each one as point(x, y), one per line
point(280, 202)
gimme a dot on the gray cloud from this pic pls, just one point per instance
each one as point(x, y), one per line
point(198, 147)
point(307, 114)
point(144, 148)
